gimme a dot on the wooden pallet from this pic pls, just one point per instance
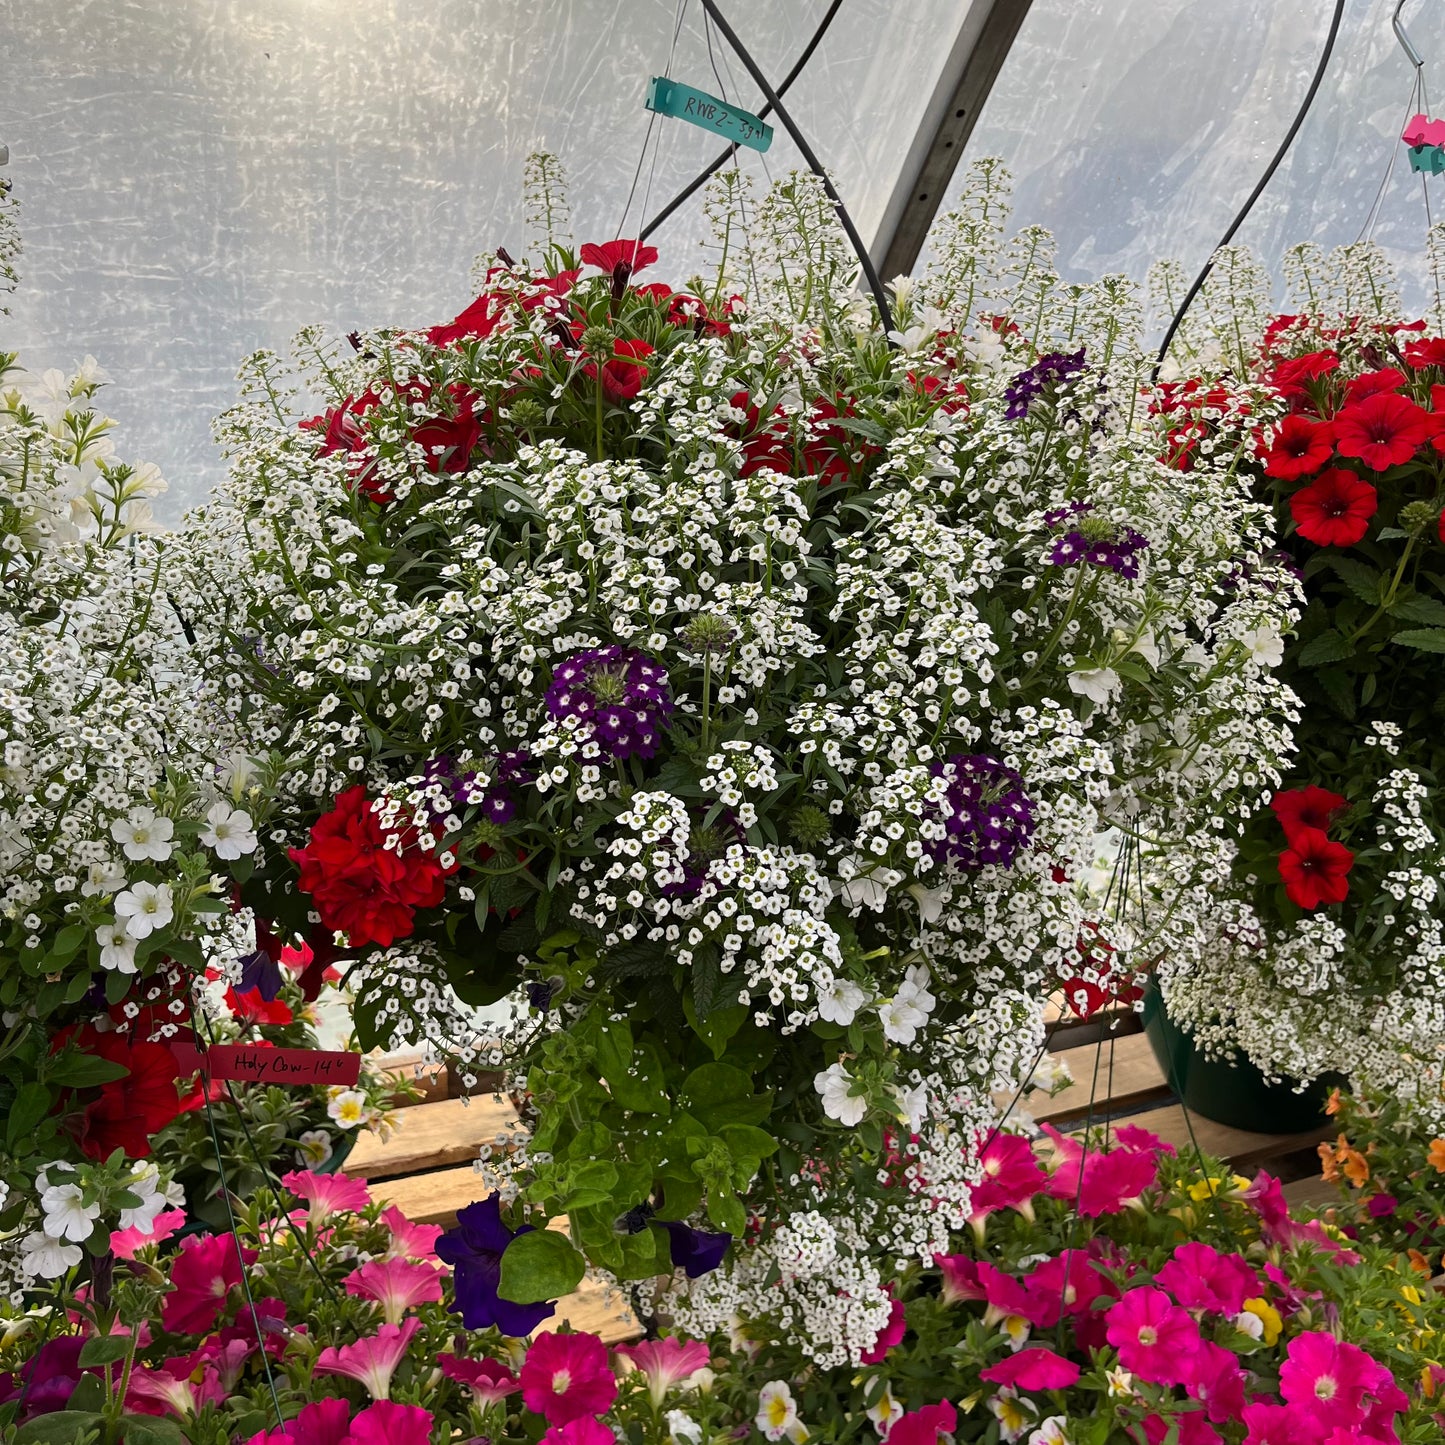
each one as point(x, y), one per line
point(425, 1168)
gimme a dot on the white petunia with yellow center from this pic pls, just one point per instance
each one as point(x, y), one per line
point(145, 908)
point(143, 836)
point(347, 1108)
point(229, 831)
point(777, 1416)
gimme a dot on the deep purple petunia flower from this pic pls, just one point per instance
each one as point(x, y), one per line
point(261, 972)
point(989, 819)
point(474, 1250)
point(622, 696)
point(694, 1251)
point(47, 1381)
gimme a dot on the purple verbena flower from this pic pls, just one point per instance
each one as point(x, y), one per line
point(1054, 366)
point(474, 1250)
point(987, 817)
point(621, 696)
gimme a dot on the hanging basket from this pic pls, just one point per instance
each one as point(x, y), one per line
point(1235, 1094)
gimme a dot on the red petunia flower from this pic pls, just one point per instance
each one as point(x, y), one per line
point(1309, 809)
point(1289, 378)
point(1430, 352)
point(342, 431)
point(361, 887)
point(1335, 509)
point(1300, 448)
point(763, 446)
point(253, 1009)
point(1383, 430)
point(829, 455)
point(623, 376)
point(479, 319)
point(131, 1109)
point(1314, 870)
point(1373, 382)
point(612, 254)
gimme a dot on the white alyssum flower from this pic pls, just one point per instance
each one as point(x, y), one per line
point(117, 947)
point(777, 1416)
point(229, 831)
point(145, 908)
point(833, 1084)
point(142, 835)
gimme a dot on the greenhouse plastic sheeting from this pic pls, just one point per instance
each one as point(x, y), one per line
point(198, 180)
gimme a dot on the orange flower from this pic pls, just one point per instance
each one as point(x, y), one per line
point(1333, 1103)
point(1420, 1264)
point(1436, 1156)
point(1357, 1169)
point(1327, 1162)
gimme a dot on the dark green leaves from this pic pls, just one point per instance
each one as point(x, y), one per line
point(539, 1266)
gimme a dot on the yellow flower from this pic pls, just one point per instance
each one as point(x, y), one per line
point(1267, 1315)
point(1214, 1186)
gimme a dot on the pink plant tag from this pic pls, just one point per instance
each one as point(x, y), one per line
point(247, 1064)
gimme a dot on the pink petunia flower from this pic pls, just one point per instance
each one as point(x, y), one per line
point(172, 1390)
point(1156, 1340)
point(582, 1431)
point(1266, 1198)
point(490, 1381)
point(1216, 1381)
point(323, 1422)
point(396, 1285)
point(1200, 1278)
point(204, 1271)
point(409, 1240)
point(923, 1427)
point(327, 1194)
point(1012, 1176)
point(1328, 1378)
point(125, 1242)
point(960, 1278)
point(565, 1377)
point(1037, 1368)
point(1194, 1429)
point(1099, 1181)
point(891, 1334)
point(373, 1360)
point(665, 1362)
point(387, 1423)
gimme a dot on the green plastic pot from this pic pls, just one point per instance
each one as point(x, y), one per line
point(1235, 1093)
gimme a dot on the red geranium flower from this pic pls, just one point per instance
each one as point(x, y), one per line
point(361, 887)
point(1430, 352)
point(1300, 448)
point(612, 254)
point(1289, 377)
point(1384, 430)
point(1373, 382)
point(1315, 871)
point(1308, 808)
point(1335, 509)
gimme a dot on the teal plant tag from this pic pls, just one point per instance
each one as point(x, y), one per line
point(672, 97)
point(1427, 158)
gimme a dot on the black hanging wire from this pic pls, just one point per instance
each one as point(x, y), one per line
point(1258, 191)
point(814, 164)
point(724, 157)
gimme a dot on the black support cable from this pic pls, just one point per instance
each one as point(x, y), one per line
point(1255, 194)
point(782, 88)
point(814, 164)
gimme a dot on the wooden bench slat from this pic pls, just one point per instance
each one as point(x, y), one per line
point(1127, 1063)
point(444, 1132)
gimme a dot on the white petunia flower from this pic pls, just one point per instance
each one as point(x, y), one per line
point(913, 1106)
point(42, 1257)
point(930, 902)
point(67, 1216)
point(682, 1429)
point(1098, 684)
point(840, 1001)
point(229, 831)
point(117, 947)
point(146, 907)
point(101, 878)
point(901, 1018)
point(145, 1181)
point(833, 1085)
point(142, 835)
point(1264, 645)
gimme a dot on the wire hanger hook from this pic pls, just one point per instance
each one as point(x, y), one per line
point(1402, 35)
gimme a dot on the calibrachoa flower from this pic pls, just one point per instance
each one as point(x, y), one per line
point(621, 699)
point(777, 1415)
point(566, 1377)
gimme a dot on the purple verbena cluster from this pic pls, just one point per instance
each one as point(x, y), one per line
point(623, 696)
point(461, 790)
point(987, 818)
point(1054, 366)
point(1118, 553)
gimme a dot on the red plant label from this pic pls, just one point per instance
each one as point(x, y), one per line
point(246, 1064)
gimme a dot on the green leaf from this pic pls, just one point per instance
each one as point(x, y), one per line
point(32, 1103)
point(105, 1349)
point(538, 1266)
point(61, 1427)
point(77, 1070)
point(1327, 647)
point(1362, 579)
point(706, 980)
point(1339, 687)
point(68, 941)
point(1423, 639)
point(1420, 609)
point(720, 1094)
point(152, 1430)
point(746, 1142)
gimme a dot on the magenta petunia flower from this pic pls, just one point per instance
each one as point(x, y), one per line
point(1099, 1181)
point(1217, 1382)
point(1037, 1368)
point(582, 1431)
point(565, 1377)
point(960, 1278)
point(1200, 1278)
point(1155, 1338)
point(490, 1381)
point(327, 1194)
point(1012, 1176)
point(323, 1422)
point(386, 1423)
point(396, 1285)
point(373, 1360)
point(1328, 1378)
point(923, 1427)
point(203, 1273)
point(665, 1362)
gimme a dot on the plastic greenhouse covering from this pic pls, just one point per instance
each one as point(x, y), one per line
point(201, 180)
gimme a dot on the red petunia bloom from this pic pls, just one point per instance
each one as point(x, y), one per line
point(447, 439)
point(253, 1009)
point(829, 455)
point(131, 1109)
point(1373, 382)
point(478, 320)
point(1299, 449)
point(342, 431)
point(952, 396)
point(612, 254)
point(1307, 808)
point(1335, 509)
point(624, 374)
point(1314, 870)
point(1289, 378)
point(361, 887)
point(1430, 352)
point(763, 446)
point(1383, 430)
